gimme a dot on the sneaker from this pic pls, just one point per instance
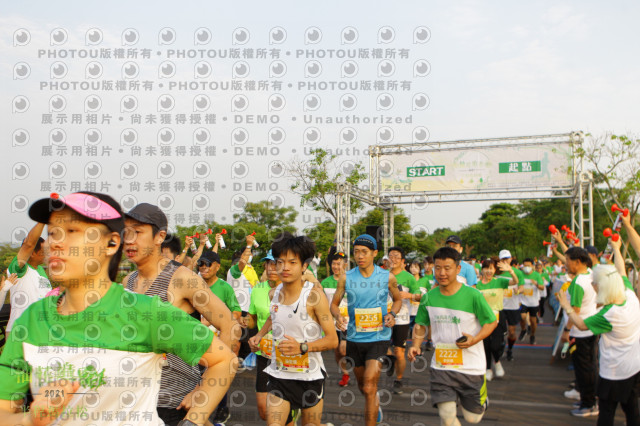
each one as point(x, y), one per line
point(345, 380)
point(532, 340)
point(585, 411)
point(379, 419)
point(499, 369)
point(522, 334)
point(572, 394)
point(489, 375)
point(391, 368)
point(222, 415)
point(509, 355)
point(576, 404)
point(397, 387)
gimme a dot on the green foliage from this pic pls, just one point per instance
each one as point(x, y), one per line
point(7, 253)
point(316, 180)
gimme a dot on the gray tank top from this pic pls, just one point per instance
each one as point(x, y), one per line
point(178, 378)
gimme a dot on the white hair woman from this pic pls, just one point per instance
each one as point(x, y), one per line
point(617, 324)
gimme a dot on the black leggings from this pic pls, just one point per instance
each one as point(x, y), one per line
point(494, 344)
point(610, 392)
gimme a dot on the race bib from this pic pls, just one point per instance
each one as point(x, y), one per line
point(266, 345)
point(528, 291)
point(368, 320)
point(448, 355)
point(291, 363)
point(508, 293)
point(344, 311)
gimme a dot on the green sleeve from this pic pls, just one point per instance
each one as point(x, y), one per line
point(252, 301)
point(540, 280)
point(231, 300)
point(15, 372)
point(597, 323)
point(520, 276)
point(235, 271)
point(422, 317)
point(482, 309)
point(183, 336)
point(577, 294)
point(14, 268)
point(504, 282)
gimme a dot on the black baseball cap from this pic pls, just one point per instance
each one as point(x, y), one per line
point(591, 250)
point(208, 257)
point(96, 207)
point(453, 239)
point(149, 214)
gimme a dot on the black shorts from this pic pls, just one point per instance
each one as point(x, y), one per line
point(261, 374)
point(532, 310)
point(360, 352)
point(399, 335)
point(447, 386)
point(299, 394)
point(512, 316)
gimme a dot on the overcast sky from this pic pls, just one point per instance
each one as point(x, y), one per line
point(496, 69)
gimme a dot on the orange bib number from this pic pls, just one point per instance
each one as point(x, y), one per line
point(448, 355)
point(508, 293)
point(292, 363)
point(266, 346)
point(528, 291)
point(368, 320)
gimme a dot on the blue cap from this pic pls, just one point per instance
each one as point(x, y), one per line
point(269, 256)
point(367, 241)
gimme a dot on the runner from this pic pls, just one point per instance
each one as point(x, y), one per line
point(544, 294)
point(329, 284)
point(171, 247)
point(33, 283)
point(93, 354)
point(208, 267)
point(156, 275)
point(407, 286)
point(367, 288)
point(511, 304)
point(460, 319)
point(424, 285)
point(492, 289)
point(530, 299)
point(619, 347)
point(467, 272)
point(299, 316)
point(583, 302)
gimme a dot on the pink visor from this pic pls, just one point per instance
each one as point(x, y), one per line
point(88, 206)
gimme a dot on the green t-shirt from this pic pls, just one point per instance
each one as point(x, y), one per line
point(426, 282)
point(223, 290)
point(260, 303)
point(14, 268)
point(113, 348)
point(627, 283)
point(329, 282)
point(493, 292)
point(465, 311)
point(408, 281)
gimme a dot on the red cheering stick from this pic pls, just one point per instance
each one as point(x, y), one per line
point(550, 248)
point(609, 234)
point(208, 243)
point(193, 247)
point(223, 232)
point(255, 243)
point(553, 229)
point(606, 256)
point(622, 212)
point(546, 243)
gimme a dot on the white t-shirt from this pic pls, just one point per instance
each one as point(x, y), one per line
point(583, 296)
point(619, 333)
point(32, 285)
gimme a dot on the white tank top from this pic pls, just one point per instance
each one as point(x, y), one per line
point(294, 321)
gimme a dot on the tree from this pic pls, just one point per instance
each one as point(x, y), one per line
point(316, 180)
point(267, 214)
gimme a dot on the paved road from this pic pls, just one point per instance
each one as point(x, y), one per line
point(530, 393)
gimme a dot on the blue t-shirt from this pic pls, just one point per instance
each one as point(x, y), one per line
point(367, 297)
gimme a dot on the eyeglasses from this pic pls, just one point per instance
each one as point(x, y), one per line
point(203, 263)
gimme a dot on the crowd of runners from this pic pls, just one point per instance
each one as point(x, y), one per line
point(165, 343)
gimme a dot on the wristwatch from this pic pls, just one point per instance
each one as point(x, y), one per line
point(393, 314)
point(304, 348)
point(186, 422)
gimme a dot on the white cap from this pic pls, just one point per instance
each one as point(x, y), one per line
point(385, 257)
point(504, 254)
